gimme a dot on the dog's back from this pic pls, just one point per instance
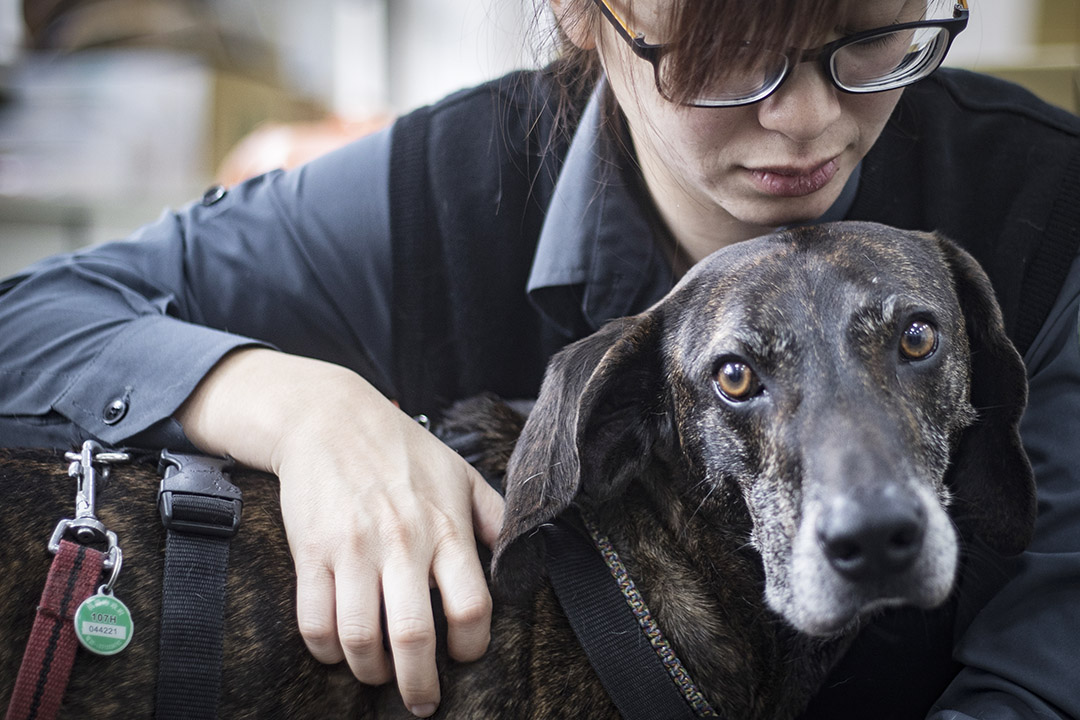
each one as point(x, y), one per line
point(268, 672)
point(533, 668)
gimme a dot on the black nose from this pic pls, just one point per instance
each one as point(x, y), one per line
point(874, 535)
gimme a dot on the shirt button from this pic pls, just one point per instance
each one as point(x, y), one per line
point(114, 411)
point(213, 195)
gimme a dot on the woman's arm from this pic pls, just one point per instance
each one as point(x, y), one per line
point(250, 319)
point(376, 511)
point(297, 261)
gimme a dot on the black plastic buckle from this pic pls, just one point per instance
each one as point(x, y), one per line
point(187, 477)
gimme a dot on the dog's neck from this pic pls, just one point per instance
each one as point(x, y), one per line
point(704, 585)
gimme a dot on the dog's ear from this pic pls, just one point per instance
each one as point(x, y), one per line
point(990, 474)
point(590, 432)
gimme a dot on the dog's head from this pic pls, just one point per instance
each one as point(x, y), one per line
point(843, 384)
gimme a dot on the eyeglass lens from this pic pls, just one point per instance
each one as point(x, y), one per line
point(881, 62)
point(890, 59)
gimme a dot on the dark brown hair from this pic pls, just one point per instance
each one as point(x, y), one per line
point(707, 33)
point(704, 36)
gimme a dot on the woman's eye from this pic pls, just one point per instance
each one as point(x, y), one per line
point(919, 341)
point(737, 382)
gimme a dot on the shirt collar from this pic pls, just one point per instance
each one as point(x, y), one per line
point(600, 253)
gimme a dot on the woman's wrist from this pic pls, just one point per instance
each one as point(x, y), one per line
point(257, 402)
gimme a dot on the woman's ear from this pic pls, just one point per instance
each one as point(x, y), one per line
point(573, 18)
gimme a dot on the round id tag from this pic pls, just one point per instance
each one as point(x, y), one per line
point(103, 624)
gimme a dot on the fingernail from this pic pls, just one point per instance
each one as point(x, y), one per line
point(423, 710)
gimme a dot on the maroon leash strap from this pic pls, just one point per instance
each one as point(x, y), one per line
point(50, 652)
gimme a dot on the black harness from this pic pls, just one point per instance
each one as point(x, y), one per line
point(626, 649)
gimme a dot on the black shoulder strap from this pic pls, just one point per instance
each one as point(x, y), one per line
point(200, 510)
point(628, 666)
point(1052, 259)
point(419, 307)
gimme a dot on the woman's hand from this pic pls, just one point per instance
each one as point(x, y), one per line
point(376, 509)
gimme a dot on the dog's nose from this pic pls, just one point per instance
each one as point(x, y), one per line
point(875, 535)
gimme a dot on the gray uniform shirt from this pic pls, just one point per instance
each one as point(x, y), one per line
point(107, 343)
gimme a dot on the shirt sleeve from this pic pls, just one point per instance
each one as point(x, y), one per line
point(1022, 651)
point(107, 343)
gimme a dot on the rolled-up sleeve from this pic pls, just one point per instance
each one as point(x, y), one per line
point(109, 342)
point(1022, 651)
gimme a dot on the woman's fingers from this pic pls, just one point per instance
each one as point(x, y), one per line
point(465, 597)
point(410, 626)
point(487, 510)
point(407, 531)
point(359, 626)
point(406, 514)
point(316, 610)
point(434, 543)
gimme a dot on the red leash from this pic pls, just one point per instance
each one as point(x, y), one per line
point(75, 570)
point(50, 652)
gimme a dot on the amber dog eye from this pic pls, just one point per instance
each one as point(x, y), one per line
point(737, 382)
point(919, 341)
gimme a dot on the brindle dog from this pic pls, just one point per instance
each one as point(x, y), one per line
point(802, 431)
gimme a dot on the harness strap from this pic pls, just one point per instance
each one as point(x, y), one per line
point(628, 662)
point(201, 510)
point(50, 652)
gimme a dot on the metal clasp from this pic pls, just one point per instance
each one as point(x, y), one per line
point(85, 526)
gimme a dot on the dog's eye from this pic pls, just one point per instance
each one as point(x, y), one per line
point(736, 381)
point(919, 341)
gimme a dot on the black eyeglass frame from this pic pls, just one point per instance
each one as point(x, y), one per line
point(652, 53)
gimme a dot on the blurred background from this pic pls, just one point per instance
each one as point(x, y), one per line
point(112, 110)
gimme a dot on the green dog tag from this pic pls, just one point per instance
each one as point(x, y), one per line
point(103, 624)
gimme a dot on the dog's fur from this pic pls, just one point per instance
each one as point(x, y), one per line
point(723, 511)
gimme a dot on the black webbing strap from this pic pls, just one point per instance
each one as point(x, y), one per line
point(629, 668)
point(420, 310)
point(200, 509)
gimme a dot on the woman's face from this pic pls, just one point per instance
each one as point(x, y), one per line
point(779, 161)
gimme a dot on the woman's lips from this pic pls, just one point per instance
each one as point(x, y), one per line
point(794, 181)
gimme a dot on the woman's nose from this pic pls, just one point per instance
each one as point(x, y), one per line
point(803, 107)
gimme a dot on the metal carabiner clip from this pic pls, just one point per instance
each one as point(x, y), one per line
point(85, 526)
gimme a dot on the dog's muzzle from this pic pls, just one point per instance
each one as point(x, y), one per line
point(857, 552)
point(872, 536)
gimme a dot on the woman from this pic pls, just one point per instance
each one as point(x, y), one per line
point(456, 251)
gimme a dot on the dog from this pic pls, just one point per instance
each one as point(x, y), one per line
point(803, 431)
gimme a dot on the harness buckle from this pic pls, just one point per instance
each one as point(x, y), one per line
point(196, 497)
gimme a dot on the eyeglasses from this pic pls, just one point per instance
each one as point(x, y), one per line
point(866, 62)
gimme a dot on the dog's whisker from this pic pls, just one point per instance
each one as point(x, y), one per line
point(701, 504)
